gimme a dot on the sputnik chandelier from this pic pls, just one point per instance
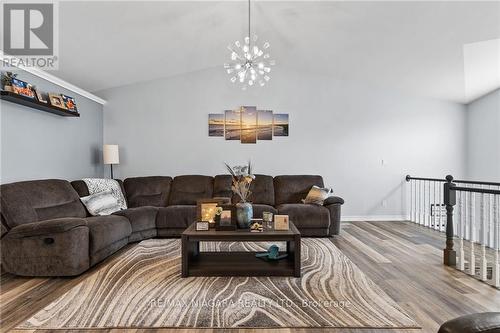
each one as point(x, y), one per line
point(250, 65)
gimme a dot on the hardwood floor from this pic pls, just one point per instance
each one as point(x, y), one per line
point(404, 259)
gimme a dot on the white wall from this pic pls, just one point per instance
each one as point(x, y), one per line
point(483, 138)
point(338, 129)
point(37, 145)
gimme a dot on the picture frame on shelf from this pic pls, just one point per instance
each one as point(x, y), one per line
point(40, 96)
point(57, 101)
point(69, 103)
point(22, 88)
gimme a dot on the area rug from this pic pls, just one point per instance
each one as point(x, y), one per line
point(142, 288)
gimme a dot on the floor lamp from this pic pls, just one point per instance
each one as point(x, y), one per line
point(111, 156)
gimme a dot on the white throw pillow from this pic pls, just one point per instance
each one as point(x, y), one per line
point(317, 195)
point(102, 203)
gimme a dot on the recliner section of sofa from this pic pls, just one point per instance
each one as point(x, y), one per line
point(46, 230)
point(47, 233)
point(311, 220)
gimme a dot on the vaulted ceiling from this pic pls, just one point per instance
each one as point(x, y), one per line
point(417, 47)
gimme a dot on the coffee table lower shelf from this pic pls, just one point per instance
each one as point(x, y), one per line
point(238, 264)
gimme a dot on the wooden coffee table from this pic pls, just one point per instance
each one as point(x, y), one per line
point(196, 263)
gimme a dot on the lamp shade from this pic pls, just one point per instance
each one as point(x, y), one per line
point(111, 154)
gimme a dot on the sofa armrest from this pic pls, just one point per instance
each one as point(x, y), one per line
point(46, 227)
point(333, 200)
point(334, 204)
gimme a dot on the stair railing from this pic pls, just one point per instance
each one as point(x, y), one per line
point(471, 211)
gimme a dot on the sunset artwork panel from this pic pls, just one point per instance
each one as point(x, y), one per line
point(215, 124)
point(232, 125)
point(280, 124)
point(247, 124)
point(264, 125)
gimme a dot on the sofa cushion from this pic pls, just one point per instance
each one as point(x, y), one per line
point(147, 191)
point(46, 227)
point(222, 186)
point(306, 215)
point(140, 218)
point(258, 209)
point(106, 230)
point(292, 189)
point(186, 190)
point(261, 188)
point(177, 216)
point(38, 200)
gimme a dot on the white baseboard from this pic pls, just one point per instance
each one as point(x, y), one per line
point(374, 218)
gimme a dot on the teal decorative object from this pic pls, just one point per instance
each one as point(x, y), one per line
point(244, 214)
point(273, 253)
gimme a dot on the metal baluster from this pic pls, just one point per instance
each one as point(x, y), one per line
point(484, 263)
point(460, 231)
point(472, 257)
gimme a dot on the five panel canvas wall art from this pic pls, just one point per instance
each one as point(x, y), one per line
point(247, 124)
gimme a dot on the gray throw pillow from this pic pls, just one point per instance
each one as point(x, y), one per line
point(102, 203)
point(317, 195)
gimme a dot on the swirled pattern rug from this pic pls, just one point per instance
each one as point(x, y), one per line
point(142, 287)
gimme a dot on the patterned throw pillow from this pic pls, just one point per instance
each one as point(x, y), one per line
point(98, 185)
point(102, 203)
point(317, 195)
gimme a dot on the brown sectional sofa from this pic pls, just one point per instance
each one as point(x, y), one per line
point(46, 230)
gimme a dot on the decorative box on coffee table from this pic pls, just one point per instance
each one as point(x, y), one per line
point(198, 263)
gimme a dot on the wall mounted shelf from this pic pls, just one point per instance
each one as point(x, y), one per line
point(34, 104)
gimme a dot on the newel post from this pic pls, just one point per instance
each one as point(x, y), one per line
point(450, 199)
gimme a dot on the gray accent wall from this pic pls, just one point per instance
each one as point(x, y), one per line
point(37, 145)
point(483, 138)
point(362, 139)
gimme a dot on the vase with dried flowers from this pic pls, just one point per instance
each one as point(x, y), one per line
point(242, 178)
